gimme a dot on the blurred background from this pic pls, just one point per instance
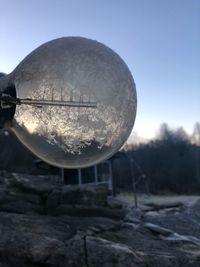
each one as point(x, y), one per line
point(159, 41)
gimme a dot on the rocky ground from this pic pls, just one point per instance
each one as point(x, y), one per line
point(45, 224)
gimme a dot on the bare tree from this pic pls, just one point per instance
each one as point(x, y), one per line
point(196, 134)
point(196, 141)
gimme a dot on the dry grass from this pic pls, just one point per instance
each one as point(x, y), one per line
point(158, 200)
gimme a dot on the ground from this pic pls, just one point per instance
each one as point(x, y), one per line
point(45, 224)
point(158, 199)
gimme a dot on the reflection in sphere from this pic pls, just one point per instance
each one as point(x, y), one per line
point(74, 69)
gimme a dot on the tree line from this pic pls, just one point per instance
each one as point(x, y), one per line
point(168, 164)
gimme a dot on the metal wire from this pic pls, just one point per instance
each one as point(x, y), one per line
point(8, 101)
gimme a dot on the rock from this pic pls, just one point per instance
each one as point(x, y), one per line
point(114, 203)
point(2, 180)
point(158, 259)
point(174, 237)
point(133, 215)
point(20, 206)
point(168, 235)
point(84, 211)
point(32, 239)
point(158, 229)
point(101, 252)
point(52, 202)
point(131, 225)
point(40, 240)
point(76, 200)
point(17, 202)
point(168, 206)
point(4, 195)
point(70, 255)
point(40, 184)
point(90, 195)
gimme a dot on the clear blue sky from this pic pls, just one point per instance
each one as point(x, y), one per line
point(158, 39)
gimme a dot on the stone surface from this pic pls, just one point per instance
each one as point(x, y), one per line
point(114, 203)
point(89, 195)
point(40, 184)
point(101, 252)
point(43, 224)
point(94, 211)
point(30, 238)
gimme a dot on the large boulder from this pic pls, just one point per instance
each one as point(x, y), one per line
point(101, 252)
point(28, 239)
point(40, 240)
point(90, 195)
point(17, 202)
point(74, 200)
point(40, 184)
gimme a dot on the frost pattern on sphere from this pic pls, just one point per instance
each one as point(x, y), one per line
point(72, 128)
point(74, 69)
